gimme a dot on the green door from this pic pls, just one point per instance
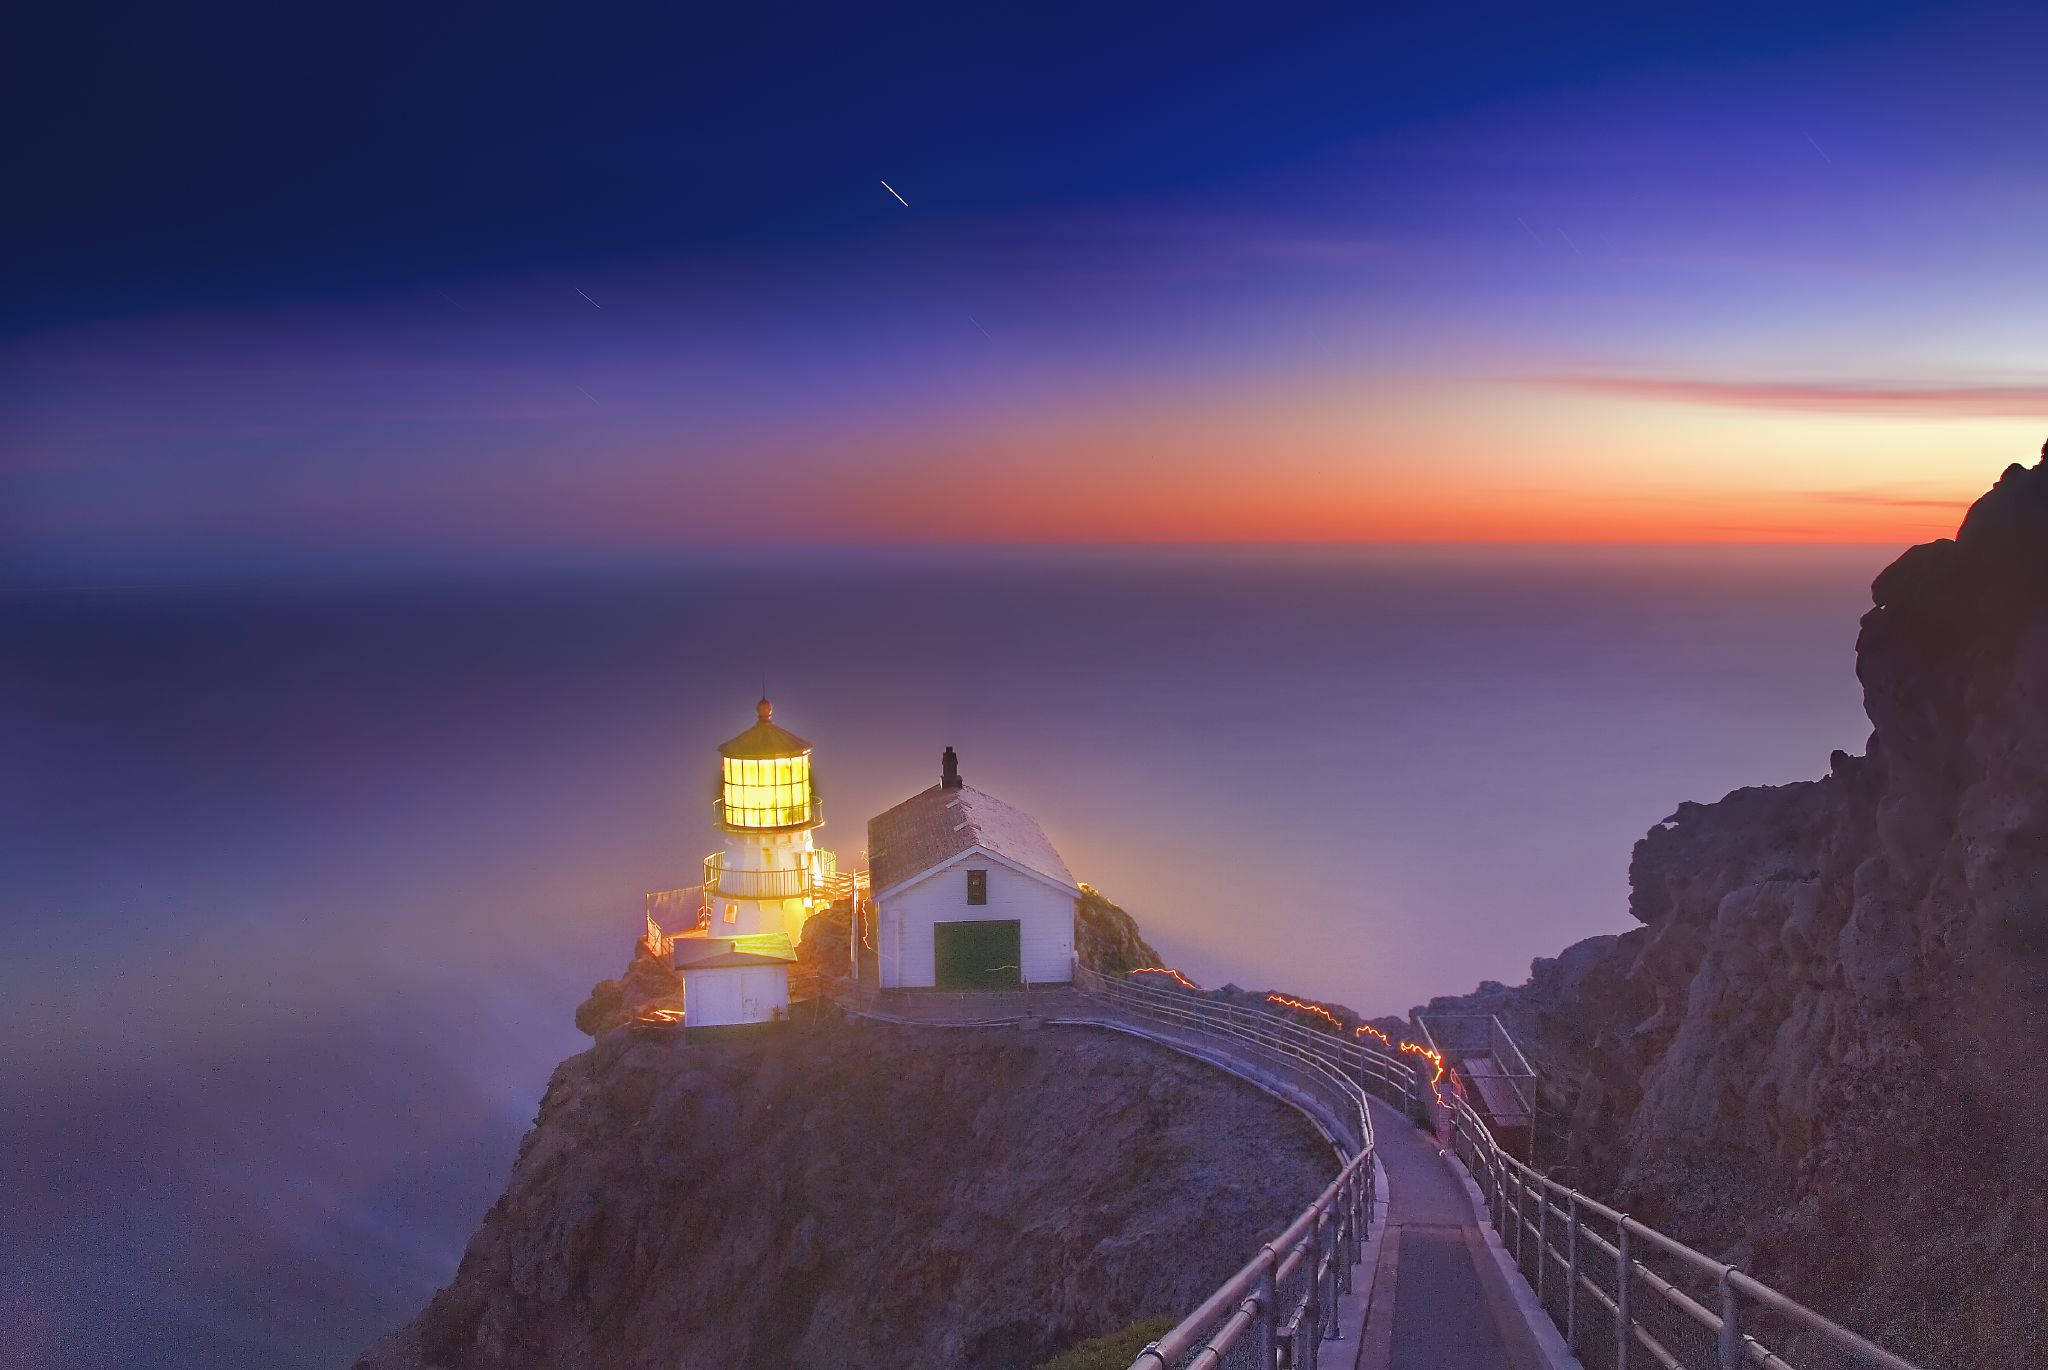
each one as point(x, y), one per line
point(979, 955)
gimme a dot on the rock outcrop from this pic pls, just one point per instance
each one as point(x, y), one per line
point(851, 1194)
point(649, 986)
point(1824, 1054)
point(1106, 938)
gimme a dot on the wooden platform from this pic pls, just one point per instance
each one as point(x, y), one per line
point(1499, 1098)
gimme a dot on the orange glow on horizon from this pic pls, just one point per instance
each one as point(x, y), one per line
point(1316, 464)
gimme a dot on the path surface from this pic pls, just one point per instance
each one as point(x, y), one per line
point(1438, 1301)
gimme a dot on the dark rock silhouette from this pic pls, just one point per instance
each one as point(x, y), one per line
point(1825, 1052)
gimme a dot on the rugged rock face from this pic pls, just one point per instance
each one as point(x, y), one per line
point(648, 986)
point(823, 950)
point(851, 1194)
point(1825, 1051)
point(1106, 938)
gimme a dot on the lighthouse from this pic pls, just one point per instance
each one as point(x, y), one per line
point(769, 878)
point(761, 886)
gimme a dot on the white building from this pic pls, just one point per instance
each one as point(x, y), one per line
point(968, 893)
point(758, 890)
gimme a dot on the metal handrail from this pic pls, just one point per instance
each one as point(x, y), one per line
point(1328, 1061)
point(1499, 1043)
point(807, 880)
point(1530, 1213)
point(1671, 1329)
point(1283, 1302)
point(754, 884)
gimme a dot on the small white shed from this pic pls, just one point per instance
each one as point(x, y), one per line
point(968, 893)
point(727, 980)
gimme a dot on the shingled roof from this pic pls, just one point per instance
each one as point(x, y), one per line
point(935, 826)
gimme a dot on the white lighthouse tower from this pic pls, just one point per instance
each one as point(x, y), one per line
point(769, 879)
point(764, 884)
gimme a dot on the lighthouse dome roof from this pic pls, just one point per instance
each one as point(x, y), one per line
point(765, 739)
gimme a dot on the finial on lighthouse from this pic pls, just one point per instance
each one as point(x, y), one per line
point(765, 709)
point(949, 770)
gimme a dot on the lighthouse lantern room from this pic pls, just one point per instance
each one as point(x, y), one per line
point(762, 886)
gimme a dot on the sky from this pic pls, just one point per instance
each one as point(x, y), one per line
point(385, 288)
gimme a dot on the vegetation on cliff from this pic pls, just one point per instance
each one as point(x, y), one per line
point(1115, 1351)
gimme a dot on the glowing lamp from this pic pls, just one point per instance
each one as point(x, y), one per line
point(765, 776)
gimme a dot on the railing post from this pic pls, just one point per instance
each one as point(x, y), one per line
point(1521, 1211)
point(1542, 1240)
point(1362, 1203)
point(1267, 1324)
point(1355, 1248)
point(1311, 1320)
point(1731, 1331)
point(1622, 1329)
point(1352, 1221)
point(1571, 1276)
point(1340, 1245)
point(1326, 1325)
point(1507, 1232)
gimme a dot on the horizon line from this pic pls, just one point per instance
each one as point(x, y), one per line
point(255, 575)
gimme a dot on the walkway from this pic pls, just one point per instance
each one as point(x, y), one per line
point(1438, 1301)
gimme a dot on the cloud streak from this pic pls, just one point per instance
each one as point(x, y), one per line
point(1886, 500)
point(2003, 400)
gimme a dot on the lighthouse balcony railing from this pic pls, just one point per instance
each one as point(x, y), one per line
point(812, 880)
point(771, 817)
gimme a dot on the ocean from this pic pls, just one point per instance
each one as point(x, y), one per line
point(300, 885)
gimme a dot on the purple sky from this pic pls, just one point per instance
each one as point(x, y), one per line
point(1649, 279)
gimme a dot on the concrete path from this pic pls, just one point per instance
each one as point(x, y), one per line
point(1439, 1301)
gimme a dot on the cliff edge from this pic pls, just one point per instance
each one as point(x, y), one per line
point(852, 1194)
point(1824, 1054)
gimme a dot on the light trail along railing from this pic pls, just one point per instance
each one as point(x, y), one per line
point(1625, 1296)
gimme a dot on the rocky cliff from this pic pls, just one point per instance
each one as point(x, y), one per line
point(847, 1194)
point(1824, 1052)
point(649, 987)
point(1106, 938)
